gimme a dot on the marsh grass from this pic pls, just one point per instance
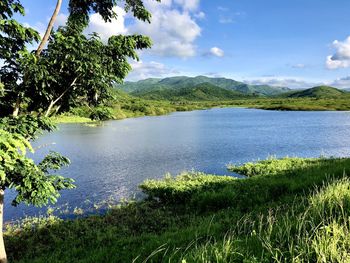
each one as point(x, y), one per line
point(289, 215)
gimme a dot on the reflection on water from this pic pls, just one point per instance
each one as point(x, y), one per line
point(112, 160)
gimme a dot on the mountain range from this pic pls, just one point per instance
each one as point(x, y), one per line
point(202, 88)
point(179, 86)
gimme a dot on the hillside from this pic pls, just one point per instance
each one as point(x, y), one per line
point(319, 92)
point(142, 87)
point(200, 92)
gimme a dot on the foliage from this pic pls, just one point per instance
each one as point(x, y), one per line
point(74, 68)
point(14, 38)
point(27, 126)
point(101, 113)
point(33, 183)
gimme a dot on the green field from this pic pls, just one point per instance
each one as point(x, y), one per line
point(288, 210)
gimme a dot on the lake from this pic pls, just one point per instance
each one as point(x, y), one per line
point(110, 161)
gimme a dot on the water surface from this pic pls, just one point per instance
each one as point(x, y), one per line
point(112, 160)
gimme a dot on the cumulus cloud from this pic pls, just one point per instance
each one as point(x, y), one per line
point(341, 57)
point(144, 70)
point(106, 30)
point(217, 52)
point(172, 30)
point(200, 15)
point(190, 5)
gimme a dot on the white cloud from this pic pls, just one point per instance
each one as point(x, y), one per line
point(342, 83)
point(229, 17)
point(223, 9)
point(299, 66)
point(61, 19)
point(200, 15)
point(292, 83)
point(144, 70)
point(173, 31)
point(106, 30)
point(217, 52)
point(298, 83)
point(190, 5)
point(341, 58)
point(226, 20)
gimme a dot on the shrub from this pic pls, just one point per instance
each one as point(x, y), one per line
point(102, 113)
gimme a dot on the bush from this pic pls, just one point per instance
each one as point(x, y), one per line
point(102, 113)
point(83, 111)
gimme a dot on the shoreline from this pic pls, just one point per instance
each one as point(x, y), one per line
point(280, 107)
point(213, 213)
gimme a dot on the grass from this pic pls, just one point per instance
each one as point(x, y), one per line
point(299, 104)
point(297, 211)
point(70, 119)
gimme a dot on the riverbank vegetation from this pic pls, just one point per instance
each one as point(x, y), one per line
point(292, 213)
point(136, 107)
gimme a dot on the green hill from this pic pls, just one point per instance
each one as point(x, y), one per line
point(320, 92)
point(143, 87)
point(200, 92)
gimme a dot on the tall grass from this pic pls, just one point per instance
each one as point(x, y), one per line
point(299, 214)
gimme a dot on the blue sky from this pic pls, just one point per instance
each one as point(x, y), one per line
point(295, 43)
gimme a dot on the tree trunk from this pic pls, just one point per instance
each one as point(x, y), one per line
point(49, 28)
point(96, 97)
point(17, 106)
point(47, 114)
point(3, 257)
point(57, 109)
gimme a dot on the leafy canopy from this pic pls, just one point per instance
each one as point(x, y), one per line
point(33, 183)
point(72, 69)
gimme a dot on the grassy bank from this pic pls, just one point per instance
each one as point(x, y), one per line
point(129, 108)
point(299, 104)
point(289, 210)
point(140, 108)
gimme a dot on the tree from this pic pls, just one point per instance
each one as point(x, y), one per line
point(33, 183)
point(14, 38)
point(67, 66)
point(76, 66)
point(43, 80)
